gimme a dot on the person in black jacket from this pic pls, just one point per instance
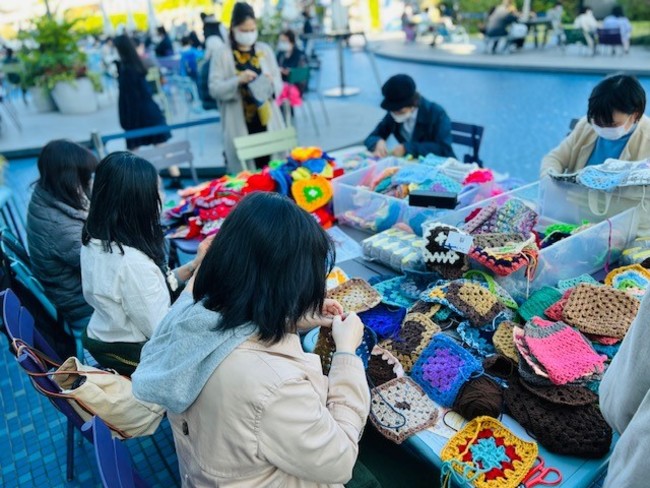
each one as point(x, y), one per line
point(165, 47)
point(421, 127)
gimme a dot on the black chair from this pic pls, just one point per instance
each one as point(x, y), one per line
point(610, 37)
point(471, 136)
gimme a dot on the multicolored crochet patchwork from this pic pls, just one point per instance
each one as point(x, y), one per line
point(448, 263)
point(633, 279)
point(443, 368)
point(399, 409)
point(507, 259)
point(514, 216)
point(385, 320)
point(392, 293)
point(355, 295)
point(486, 454)
point(416, 332)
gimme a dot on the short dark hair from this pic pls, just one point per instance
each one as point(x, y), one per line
point(65, 169)
point(289, 34)
point(125, 207)
point(619, 92)
point(267, 266)
point(617, 11)
point(128, 55)
point(161, 30)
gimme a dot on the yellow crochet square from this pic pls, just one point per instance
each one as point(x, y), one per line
point(478, 297)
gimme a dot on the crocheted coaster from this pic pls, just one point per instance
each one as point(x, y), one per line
point(571, 396)
point(633, 279)
point(503, 342)
point(554, 312)
point(574, 431)
point(474, 302)
point(313, 193)
point(514, 216)
point(325, 347)
point(383, 367)
point(478, 340)
point(383, 319)
point(355, 295)
point(564, 353)
point(399, 409)
point(392, 293)
point(564, 285)
point(443, 368)
point(448, 263)
point(538, 302)
point(486, 454)
point(601, 310)
point(413, 337)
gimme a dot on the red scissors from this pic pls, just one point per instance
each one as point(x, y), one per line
point(539, 475)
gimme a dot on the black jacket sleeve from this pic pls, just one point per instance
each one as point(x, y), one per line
point(383, 130)
point(437, 139)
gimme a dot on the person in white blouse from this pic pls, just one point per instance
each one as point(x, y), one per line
point(588, 24)
point(124, 273)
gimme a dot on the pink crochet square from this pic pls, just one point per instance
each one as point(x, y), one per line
point(554, 312)
point(563, 351)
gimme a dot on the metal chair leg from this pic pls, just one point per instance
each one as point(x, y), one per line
point(322, 104)
point(70, 452)
point(310, 111)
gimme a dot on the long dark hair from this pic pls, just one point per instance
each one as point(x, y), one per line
point(267, 265)
point(125, 207)
point(128, 55)
point(65, 169)
point(241, 12)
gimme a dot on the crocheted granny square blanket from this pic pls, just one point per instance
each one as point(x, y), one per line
point(600, 310)
point(437, 257)
point(443, 368)
point(503, 341)
point(633, 279)
point(416, 332)
point(574, 431)
point(399, 409)
point(514, 216)
point(383, 367)
point(564, 353)
point(538, 302)
point(384, 319)
point(325, 347)
point(486, 454)
point(355, 295)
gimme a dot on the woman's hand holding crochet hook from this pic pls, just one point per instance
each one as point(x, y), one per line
point(331, 308)
point(347, 333)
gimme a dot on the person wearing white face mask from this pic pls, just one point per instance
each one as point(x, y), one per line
point(289, 56)
point(421, 127)
point(232, 68)
point(615, 127)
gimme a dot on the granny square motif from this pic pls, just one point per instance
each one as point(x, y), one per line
point(392, 293)
point(600, 310)
point(538, 302)
point(385, 320)
point(633, 279)
point(326, 348)
point(399, 409)
point(443, 368)
point(448, 263)
point(312, 193)
point(474, 302)
point(486, 454)
point(503, 342)
point(383, 367)
point(416, 332)
point(355, 295)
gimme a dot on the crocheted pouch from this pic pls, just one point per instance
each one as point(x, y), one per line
point(564, 353)
point(633, 279)
point(474, 302)
point(538, 302)
point(399, 409)
point(571, 396)
point(525, 354)
point(413, 337)
point(573, 431)
point(486, 454)
point(392, 293)
point(383, 367)
point(383, 319)
point(554, 312)
point(503, 342)
point(355, 295)
point(448, 263)
point(443, 368)
point(325, 347)
point(505, 260)
point(601, 310)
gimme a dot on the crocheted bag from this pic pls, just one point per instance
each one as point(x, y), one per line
point(355, 295)
point(573, 431)
point(538, 302)
point(633, 279)
point(568, 395)
point(503, 342)
point(383, 319)
point(564, 353)
point(448, 263)
point(474, 302)
point(399, 409)
point(486, 454)
point(325, 347)
point(383, 367)
point(413, 337)
point(443, 368)
point(601, 310)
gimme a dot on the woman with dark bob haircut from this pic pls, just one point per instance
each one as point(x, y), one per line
point(247, 406)
point(615, 127)
point(57, 212)
point(123, 264)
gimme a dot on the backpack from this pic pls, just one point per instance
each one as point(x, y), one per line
point(208, 102)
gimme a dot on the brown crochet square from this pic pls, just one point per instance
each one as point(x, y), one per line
point(383, 367)
point(427, 309)
point(400, 408)
point(573, 431)
point(414, 336)
point(600, 310)
point(448, 263)
point(325, 348)
point(503, 342)
point(571, 396)
point(477, 303)
point(355, 295)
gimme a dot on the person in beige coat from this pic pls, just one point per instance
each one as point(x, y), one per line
point(248, 407)
point(232, 68)
point(615, 127)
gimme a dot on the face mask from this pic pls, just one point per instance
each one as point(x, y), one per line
point(401, 118)
point(284, 46)
point(246, 39)
point(613, 133)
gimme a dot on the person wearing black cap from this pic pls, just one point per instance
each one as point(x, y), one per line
point(421, 127)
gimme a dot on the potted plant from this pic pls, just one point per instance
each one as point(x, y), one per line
point(54, 64)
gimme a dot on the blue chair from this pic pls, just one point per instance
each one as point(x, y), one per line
point(113, 458)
